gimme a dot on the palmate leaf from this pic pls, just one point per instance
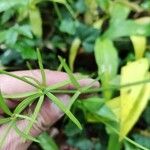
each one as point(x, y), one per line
point(4, 106)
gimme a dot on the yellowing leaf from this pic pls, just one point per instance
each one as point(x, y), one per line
point(73, 52)
point(131, 96)
point(136, 111)
point(35, 21)
point(139, 44)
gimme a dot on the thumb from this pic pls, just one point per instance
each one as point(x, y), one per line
point(48, 115)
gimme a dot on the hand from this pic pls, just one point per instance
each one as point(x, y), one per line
point(49, 112)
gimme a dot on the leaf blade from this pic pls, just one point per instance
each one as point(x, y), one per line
point(64, 109)
point(4, 106)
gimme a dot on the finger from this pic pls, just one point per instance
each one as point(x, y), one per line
point(11, 104)
point(10, 85)
point(48, 115)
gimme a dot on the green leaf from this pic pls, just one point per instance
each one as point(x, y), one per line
point(32, 79)
point(118, 12)
point(88, 37)
point(18, 95)
point(26, 102)
point(24, 30)
point(73, 52)
point(71, 129)
point(59, 1)
point(146, 4)
point(98, 109)
point(64, 109)
point(107, 61)
point(3, 34)
point(142, 139)
point(35, 114)
point(104, 4)
point(11, 36)
point(47, 142)
point(71, 76)
point(132, 145)
point(73, 98)
point(7, 15)
point(80, 6)
point(62, 84)
point(26, 51)
point(4, 120)
point(4, 106)
point(41, 67)
point(25, 136)
point(127, 28)
point(19, 78)
point(35, 21)
point(5, 5)
point(24, 117)
point(68, 26)
point(114, 142)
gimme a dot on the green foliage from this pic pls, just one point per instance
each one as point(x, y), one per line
point(46, 142)
point(107, 61)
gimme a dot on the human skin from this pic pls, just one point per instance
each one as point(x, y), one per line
point(49, 113)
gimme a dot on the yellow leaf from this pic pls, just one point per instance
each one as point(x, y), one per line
point(139, 44)
point(136, 111)
point(35, 21)
point(133, 95)
point(73, 52)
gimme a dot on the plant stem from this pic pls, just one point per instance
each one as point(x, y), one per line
point(96, 90)
point(20, 78)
